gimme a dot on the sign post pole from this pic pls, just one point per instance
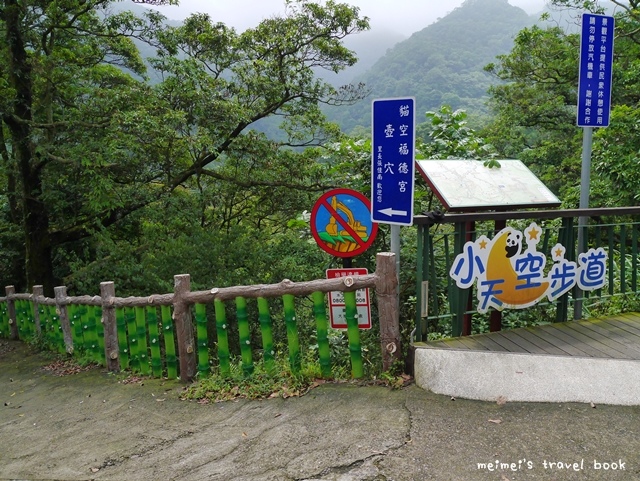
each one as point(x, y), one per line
point(594, 107)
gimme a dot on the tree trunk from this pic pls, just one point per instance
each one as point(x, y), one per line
point(35, 218)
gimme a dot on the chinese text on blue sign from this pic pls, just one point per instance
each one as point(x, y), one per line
point(392, 163)
point(596, 66)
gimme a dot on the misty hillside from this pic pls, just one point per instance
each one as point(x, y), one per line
point(369, 47)
point(443, 63)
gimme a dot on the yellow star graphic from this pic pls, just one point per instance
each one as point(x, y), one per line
point(483, 244)
point(559, 253)
point(533, 233)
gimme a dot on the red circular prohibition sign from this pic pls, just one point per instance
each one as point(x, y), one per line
point(341, 223)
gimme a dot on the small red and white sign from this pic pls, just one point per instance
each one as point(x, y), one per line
point(337, 310)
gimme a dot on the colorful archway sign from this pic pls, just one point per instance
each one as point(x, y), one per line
point(341, 223)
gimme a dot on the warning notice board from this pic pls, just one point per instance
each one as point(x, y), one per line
point(336, 300)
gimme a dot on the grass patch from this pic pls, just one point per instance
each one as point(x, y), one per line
point(261, 384)
point(281, 382)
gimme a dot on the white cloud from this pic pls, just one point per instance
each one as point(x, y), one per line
point(402, 16)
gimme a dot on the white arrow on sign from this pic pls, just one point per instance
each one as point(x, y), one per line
point(390, 212)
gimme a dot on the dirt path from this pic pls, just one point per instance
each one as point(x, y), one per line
point(91, 425)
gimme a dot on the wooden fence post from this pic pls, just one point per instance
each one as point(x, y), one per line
point(37, 291)
point(61, 307)
point(184, 327)
point(111, 348)
point(388, 308)
point(11, 311)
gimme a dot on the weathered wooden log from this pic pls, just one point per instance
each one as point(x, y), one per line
point(388, 308)
point(61, 308)
point(285, 287)
point(111, 348)
point(184, 327)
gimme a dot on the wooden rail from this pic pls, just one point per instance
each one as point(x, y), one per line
point(384, 281)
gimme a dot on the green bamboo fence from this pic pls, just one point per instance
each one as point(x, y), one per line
point(224, 357)
point(75, 321)
point(154, 341)
point(202, 339)
point(123, 344)
point(4, 320)
point(322, 330)
point(132, 331)
point(147, 343)
point(245, 336)
point(95, 314)
point(168, 335)
point(56, 329)
point(87, 333)
point(22, 318)
point(292, 332)
point(141, 340)
point(266, 330)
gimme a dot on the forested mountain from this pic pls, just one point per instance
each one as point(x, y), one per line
point(443, 63)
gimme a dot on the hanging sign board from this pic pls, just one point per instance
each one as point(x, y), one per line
point(596, 69)
point(337, 305)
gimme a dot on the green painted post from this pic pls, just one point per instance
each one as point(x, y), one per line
point(266, 330)
point(99, 330)
point(245, 336)
point(420, 272)
point(141, 339)
point(20, 320)
point(45, 324)
point(202, 340)
point(86, 330)
point(154, 341)
point(634, 257)
point(623, 259)
point(52, 328)
point(91, 334)
point(223, 338)
point(76, 325)
point(295, 360)
point(612, 264)
point(56, 326)
point(459, 298)
point(322, 328)
point(123, 345)
point(29, 319)
point(169, 342)
point(353, 333)
point(132, 333)
point(4, 324)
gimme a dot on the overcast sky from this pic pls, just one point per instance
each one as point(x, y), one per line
point(402, 16)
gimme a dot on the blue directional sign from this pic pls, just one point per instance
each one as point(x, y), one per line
point(596, 68)
point(392, 162)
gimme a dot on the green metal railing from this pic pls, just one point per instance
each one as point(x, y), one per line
point(443, 307)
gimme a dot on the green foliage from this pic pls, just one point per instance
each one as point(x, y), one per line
point(443, 63)
point(615, 158)
point(262, 383)
point(447, 136)
point(99, 151)
point(535, 110)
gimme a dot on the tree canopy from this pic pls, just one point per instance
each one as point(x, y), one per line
point(91, 151)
